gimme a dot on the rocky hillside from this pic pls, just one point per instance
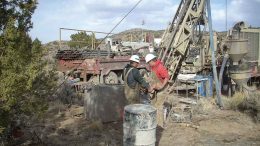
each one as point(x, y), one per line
point(136, 34)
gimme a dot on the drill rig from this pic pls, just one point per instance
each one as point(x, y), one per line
point(183, 40)
point(185, 46)
point(189, 48)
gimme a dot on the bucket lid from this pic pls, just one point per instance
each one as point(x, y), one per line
point(139, 108)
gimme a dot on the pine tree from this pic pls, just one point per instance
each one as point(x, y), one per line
point(24, 83)
point(80, 40)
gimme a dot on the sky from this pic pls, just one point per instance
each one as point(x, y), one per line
point(103, 15)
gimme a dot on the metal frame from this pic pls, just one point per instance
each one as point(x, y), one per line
point(177, 37)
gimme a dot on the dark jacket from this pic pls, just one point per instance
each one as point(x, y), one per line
point(135, 77)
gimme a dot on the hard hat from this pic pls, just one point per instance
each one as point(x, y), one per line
point(149, 57)
point(135, 58)
point(69, 72)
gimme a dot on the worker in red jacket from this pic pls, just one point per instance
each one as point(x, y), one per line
point(160, 75)
point(158, 79)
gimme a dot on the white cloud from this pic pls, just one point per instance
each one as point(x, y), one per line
point(245, 10)
point(102, 15)
point(237, 10)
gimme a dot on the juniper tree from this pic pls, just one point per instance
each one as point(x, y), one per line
point(24, 84)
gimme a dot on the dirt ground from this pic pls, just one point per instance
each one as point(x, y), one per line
point(210, 126)
point(220, 127)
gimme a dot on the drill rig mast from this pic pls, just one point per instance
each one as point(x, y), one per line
point(185, 30)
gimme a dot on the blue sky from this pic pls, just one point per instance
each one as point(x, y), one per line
point(102, 15)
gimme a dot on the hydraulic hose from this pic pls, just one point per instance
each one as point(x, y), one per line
point(219, 101)
point(222, 70)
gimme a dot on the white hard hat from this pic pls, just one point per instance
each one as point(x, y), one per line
point(135, 58)
point(149, 57)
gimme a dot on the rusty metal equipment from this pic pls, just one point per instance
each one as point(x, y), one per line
point(100, 68)
point(94, 67)
point(81, 54)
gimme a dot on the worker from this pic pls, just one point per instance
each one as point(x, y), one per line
point(136, 88)
point(159, 74)
point(158, 79)
point(71, 81)
point(108, 47)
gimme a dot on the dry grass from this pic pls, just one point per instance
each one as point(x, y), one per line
point(252, 102)
point(244, 102)
point(1, 130)
point(204, 106)
point(96, 126)
point(234, 102)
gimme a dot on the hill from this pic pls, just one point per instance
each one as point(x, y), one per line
point(126, 35)
point(136, 34)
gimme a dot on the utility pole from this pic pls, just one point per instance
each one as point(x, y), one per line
point(60, 40)
point(142, 30)
point(226, 16)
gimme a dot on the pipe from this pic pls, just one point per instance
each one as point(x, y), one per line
point(222, 70)
point(219, 101)
point(86, 30)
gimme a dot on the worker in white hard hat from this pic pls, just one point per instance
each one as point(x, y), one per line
point(136, 88)
point(108, 47)
point(158, 79)
point(160, 74)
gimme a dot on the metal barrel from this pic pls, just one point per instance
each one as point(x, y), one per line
point(139, 125)
point(201, 86)
point(209, 86)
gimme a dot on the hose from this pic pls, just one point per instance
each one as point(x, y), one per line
point(222, 70)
